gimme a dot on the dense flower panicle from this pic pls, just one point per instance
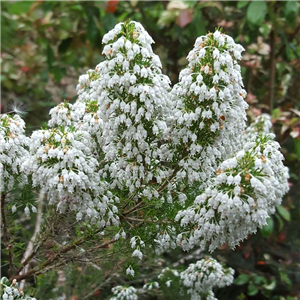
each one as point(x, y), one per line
point(124, 293)
point(209, 107)
point(61, 162)
point(245, 191)
point(13, 148)
point(132, 98)
point(62, 149)
point(200, 278)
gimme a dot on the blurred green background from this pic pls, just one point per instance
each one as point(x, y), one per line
point(46, 45)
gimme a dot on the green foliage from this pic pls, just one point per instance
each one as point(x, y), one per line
point(256, 284)
point(242, 4)
point(256, 13)
point(291, 11)
point(242, 279)
point(283, 212)
point(267, 229)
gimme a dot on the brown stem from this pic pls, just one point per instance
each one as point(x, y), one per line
point(43, 270)
point(98, 287)
point(249, 87)
point(133, 208)
point(30, 253)
point(6, 238)
point(103, 245)
point(162, 187)
point(40, 269)
point(134, 219)
point(27, 260)
point(272, 71)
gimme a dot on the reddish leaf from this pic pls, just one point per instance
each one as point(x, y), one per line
point(247, 251)
point(251, 98)
point(225, 24)
point(261, 262)
point(111, 6)
point(25, 69)
point(185, 17)
point(282, 237)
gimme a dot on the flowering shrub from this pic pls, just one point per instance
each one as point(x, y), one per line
point(136, 165)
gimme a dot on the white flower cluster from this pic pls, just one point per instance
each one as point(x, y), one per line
point(26, 209)
point(130, 271)
point(168, 276)
point(60, 115)
point(13, 148)
point(166, 272)
point(122, 105)
point(131, 93)
point(82, 115)
point(117, 119)
point(151, 285)
point(200, 278)
point(124, 293)
point(165, 240)
point(209, 113)
point(136, 243)
point(245, 191)
point(128, 136)
point(10, 291)
point(62, 163)
point(261, 124)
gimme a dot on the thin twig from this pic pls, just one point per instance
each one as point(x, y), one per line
point(56, 255)
point(103, 245)
point(133, 208)
point(134, 219)
point(162, 187)
point(29, 253)
point(272, 71)
point(100, 286)
point(6, 238)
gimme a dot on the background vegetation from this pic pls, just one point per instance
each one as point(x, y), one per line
point(46, 45)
